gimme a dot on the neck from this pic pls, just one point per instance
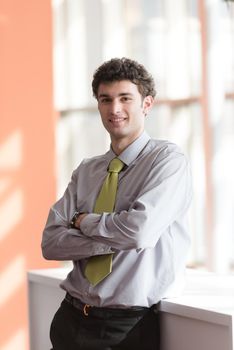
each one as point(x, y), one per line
point(119, 145)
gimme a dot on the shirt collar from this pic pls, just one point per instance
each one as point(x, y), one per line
point(131, 152)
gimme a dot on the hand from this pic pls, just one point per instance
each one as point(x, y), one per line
point(79, 219)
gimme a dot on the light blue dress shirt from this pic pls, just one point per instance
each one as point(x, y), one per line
point(147, 231)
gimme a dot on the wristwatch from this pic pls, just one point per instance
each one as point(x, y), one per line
point(74, 218)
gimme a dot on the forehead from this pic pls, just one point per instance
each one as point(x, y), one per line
point(117, 88)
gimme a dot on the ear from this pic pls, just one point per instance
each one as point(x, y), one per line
point(148, 103)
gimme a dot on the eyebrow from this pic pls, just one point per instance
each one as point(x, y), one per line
point(119, 95)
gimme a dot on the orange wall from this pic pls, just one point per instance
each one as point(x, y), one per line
point(27, 159)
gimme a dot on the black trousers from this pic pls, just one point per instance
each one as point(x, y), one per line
point(72, 330)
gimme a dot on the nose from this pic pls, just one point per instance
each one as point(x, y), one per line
point(115, 107)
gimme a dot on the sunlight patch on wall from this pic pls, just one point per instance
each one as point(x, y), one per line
point(11, 208)
point(17, 341)
point(11, 151)
point(4, 185)
point(11, 212)
point(12, 278)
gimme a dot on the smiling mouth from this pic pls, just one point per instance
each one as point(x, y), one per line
point(116, 120)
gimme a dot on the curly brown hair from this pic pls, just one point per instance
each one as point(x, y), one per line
point(118, 69)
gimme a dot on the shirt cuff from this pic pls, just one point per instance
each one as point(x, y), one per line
point(101, 249)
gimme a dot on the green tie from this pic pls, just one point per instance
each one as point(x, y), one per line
point(99, 266)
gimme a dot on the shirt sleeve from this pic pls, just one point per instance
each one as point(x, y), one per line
point(59, 242)
point(163, 199)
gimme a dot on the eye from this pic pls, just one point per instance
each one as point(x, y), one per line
point(126, 99)
point(104, 100)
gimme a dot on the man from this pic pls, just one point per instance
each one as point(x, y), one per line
point(144, 235)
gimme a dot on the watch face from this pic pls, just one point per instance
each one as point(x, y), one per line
point(74, 218)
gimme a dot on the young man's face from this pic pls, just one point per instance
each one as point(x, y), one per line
point(123, 110)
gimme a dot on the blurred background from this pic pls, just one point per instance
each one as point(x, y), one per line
point(49, 122)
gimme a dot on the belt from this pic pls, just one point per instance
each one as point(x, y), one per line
point(105, 312)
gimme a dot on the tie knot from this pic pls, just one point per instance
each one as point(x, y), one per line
point(115, 166)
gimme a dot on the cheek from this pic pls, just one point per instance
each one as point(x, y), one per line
point(137, 115)
point(104, 122)
point(103, 114)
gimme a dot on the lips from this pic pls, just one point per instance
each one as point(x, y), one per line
point(117, 120)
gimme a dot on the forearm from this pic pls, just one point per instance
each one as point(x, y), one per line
point(127, 230)
point(164, 199)
point(60, 242)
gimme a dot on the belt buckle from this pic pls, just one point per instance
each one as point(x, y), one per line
point(86, 309)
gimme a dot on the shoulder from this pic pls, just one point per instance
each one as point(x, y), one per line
point(164, 145)
point(163, 148)
point(167, 158)
point(95, 160)
point(91, 164)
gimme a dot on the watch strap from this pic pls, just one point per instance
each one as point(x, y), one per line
point(74, 218)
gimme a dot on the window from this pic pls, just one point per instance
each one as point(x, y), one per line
point(188, 47)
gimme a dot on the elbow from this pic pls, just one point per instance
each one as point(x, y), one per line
point(138, 241)
point(141, 244)
point(135, 229)
point(141, 239)
point(46, 253)
point(46, 256)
